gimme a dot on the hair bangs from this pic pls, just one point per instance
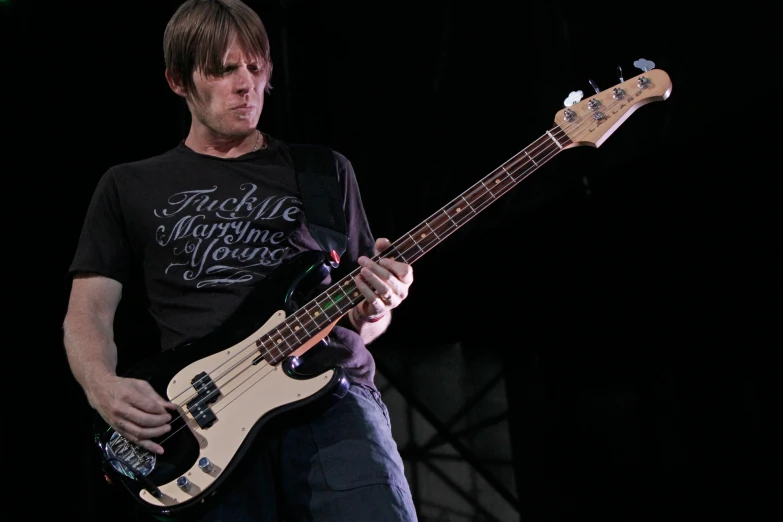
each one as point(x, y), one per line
point(200, 33)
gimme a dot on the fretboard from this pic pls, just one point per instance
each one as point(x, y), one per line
point(343, 295)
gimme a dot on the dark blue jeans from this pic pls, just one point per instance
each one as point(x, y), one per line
point(342, 465)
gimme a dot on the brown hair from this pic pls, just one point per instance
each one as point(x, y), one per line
point(199, 33)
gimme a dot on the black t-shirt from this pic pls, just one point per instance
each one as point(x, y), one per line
point(206, 230)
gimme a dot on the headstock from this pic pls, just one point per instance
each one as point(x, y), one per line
point(592, 120)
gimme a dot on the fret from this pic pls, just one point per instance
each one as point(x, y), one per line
point(279, 341)
point(445, 213)
point(321, 313)
point(432, 230)
point(425, 239)
point(521, 160)
point(314, 317)
point(337, 300)
point(399, 255)
point(488, 189)
point(286, 330)
point(459, 211)
point(415, 243)
point(441, 224)
point(341, 296)
point(307, 320)
point(353, 295)
point(542, 149)
point(479, 196)
point(503, 183)
point(266, 347)
point(262, 348)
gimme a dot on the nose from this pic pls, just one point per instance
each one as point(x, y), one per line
point(243, 80)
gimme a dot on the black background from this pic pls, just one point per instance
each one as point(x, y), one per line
point(628, 289)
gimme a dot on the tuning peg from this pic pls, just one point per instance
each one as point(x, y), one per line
point(620, 73)
point(595, 87)
point(644, 65)
point(574, 97)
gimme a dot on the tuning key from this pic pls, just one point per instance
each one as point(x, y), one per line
point(620, 73)
point(644, 65)
point(573, 98)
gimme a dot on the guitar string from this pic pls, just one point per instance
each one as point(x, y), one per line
point(268, 351)
point(548, 146)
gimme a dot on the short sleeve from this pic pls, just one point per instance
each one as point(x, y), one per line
point(360, 238)
point(103, 246)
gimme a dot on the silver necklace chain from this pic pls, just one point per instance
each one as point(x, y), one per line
point(258, 139)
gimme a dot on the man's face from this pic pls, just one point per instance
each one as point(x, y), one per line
point(230, 104)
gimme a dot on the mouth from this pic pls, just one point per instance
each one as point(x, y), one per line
point(243, 107)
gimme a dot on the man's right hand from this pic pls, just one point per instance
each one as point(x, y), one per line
point(133, 408)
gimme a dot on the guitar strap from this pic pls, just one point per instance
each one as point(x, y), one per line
point(316, 174)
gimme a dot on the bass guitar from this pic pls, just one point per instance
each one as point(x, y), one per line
point(231, 383)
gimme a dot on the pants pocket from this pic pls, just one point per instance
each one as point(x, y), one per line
point(354, 443)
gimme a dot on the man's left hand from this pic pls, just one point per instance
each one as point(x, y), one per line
point(384, 284)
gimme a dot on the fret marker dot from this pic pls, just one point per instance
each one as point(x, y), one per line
point(296, 328)
point(317, 313)
point(497, 180)
point(423, 234)
point(279, 341)
point(458, 209)
point(355, 294)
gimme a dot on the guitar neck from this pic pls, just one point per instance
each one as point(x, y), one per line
point(413, 245)
point(340, 297)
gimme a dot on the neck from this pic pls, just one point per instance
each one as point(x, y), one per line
point(223, 147)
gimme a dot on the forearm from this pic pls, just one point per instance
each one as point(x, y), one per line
point(369, 330)
point(90, 349)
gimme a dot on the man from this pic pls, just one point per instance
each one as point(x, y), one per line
point(206, 223)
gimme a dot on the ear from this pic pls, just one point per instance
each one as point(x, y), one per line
point(177, 88)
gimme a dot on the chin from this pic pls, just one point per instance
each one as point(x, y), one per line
point(246, 123)
point(242, 127)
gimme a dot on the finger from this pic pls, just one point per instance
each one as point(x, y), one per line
point(142, 436)
point(367, 291)
point(141, 433)
point(136, 420)
point(402, 271)
point(377, 268)
point(150, 446)
point(150, 400)
point(144, 420)
point(370, 296)
point(382, 284)
point(381, 244)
